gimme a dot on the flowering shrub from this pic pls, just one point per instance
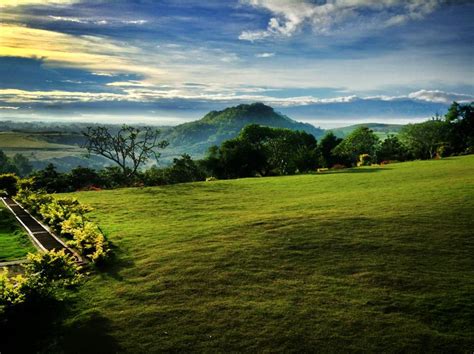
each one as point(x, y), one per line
point(45, 274)
point(67, 217)
point(86, 237)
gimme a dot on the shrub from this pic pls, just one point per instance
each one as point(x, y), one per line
point(9, 183)
point(86, 237)
point(11, 289)
point(66, 216)
point(45, 274)
point(364, 160)
point(55, 267)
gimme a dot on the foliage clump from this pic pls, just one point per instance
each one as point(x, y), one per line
point(45, 275)
point(8, 183)
point(68, 217)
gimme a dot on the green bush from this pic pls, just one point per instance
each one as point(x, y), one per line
point(86, 237)
point(67, 217)
point(9, 183)
point(45, 274)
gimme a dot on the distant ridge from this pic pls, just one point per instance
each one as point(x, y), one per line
point(217, 126)
point(380, 129)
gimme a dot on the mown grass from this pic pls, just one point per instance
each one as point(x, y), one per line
point(366, 260)
point(14, 242)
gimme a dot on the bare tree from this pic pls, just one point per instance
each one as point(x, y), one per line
point(129, 147)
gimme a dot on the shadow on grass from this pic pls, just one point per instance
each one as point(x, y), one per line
point(354, 170)
point(88, 335)
point(117, 261)
point(39, 328)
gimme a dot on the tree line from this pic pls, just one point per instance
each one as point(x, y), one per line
point(256, 151)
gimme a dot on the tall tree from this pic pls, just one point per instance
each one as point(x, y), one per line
point(361, 141)
point(130, 148)
point(391, 149)
point(425, 139)
point(461, 120)
point(326, 147)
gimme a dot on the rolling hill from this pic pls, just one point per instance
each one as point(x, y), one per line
point(380, 129)
point(215, 127)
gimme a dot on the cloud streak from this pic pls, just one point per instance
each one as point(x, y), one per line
point(438, 96)
point(130, 93)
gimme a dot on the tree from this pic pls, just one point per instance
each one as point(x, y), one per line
point(361, 141)
point(391, 149)
point(260, 150)
point(461, 121)
point(424, 140)
point(6, 164)
point(22, 164)
point(50, 180)
point(81, 177)
point(129, 147)
point(326, 146)
point(184, 169)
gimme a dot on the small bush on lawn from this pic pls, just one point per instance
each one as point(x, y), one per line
point(364, 160)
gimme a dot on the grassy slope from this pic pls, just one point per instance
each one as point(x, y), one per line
point(34, 146)
point(14, 243)
point(369, 260)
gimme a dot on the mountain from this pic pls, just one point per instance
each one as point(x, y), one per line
point(381, 129)
point(215, 127)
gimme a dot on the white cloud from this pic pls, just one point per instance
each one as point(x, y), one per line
point(440, 96)
point(155, 94)
point(97, 21)
point(130, 83)
point(135, 22)
point(291, 15)
point(265, 55)
point(253, 35)
point(135, 91)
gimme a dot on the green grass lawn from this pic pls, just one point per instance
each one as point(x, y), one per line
point(14, 242)
point(367, 260)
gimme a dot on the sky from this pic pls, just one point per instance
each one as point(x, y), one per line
point(327, 62)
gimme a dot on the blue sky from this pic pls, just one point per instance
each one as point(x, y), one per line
point(328, 62)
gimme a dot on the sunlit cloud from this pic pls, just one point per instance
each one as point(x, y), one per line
point(98, 54)
point(14, 3)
